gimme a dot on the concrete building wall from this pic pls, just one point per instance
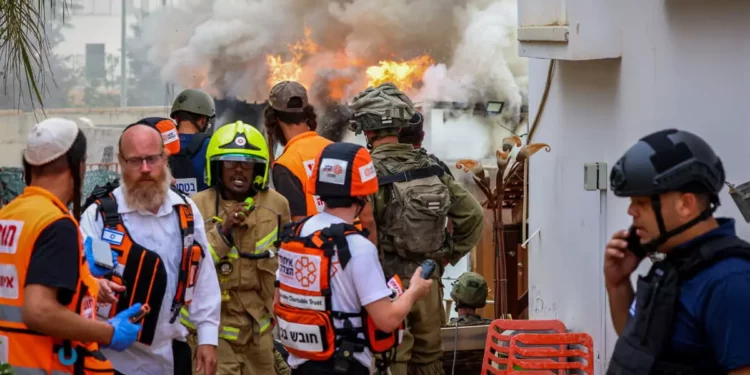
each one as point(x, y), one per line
point(102, 136)
point(684, 64)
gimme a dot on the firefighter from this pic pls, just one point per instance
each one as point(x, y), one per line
point(47, 295)
point(194, 111)
point(469, 292)
point(163, 259)
point(412, 230)
point(247, 217)
point(689, 314)
point(330, 288)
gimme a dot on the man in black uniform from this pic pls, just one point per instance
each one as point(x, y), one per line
point(690, 313)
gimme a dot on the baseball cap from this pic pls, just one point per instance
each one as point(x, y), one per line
point(283, 94)
point(49, 140)
point(168, 130)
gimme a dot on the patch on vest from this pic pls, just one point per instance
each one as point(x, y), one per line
point(309, 165)
point(8, 281)
point(112, 236)
point(88, 307)
point(10, 230)
point(317, 303)
point(188, 186)
point(303, 337)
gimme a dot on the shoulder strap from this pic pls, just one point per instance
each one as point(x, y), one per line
point(414, 174)
point(712, 251)
point(338, 233)
point(100, 192)
point(108, 211)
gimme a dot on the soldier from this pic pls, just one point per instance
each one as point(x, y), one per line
point(414, 135)
point(194, 112)
point(469, 293)
point(247, 216)
point(414, 229)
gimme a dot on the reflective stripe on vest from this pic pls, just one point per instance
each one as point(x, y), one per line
point(10, 313)
point(36, 371)
point(264, 243)
point(226, 332)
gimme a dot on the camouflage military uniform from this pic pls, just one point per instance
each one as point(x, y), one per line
point(470, 320)
point(469, 291)
point(421, 349)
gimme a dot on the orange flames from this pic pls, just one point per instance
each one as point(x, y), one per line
point(403, 74)
point(280, 70)
point(406, 75)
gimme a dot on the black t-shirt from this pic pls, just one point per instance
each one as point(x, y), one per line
point(56, 259)
point(288, 185)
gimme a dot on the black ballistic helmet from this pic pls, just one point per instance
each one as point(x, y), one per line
point(665, 161)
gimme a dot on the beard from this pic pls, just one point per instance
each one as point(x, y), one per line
point(146, 195)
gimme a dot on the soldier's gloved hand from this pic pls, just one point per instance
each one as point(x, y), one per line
point(125, 331)
point(88, 251)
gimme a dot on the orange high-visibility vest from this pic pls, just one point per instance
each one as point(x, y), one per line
point(21, 223)
point(142, 271)
point(299, 157)
point(304, 314)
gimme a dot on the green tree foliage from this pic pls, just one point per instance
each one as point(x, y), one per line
point(24, 47)
point(53, 78)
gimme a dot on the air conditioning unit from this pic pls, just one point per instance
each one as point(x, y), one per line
point(569, 29)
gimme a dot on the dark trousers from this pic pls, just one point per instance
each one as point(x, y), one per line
point(327, 368)
point(181, 357)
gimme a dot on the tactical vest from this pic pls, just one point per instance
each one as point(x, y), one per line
point(305, 311)
point(411, 209)
point(27, 351)
point(642, 347)
point(142, 271)
point(181, 165)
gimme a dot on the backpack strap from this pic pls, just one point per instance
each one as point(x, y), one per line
point(100, 192)
point(338, 233)
point(108, 211)
point(711, 251)
point(414, 174)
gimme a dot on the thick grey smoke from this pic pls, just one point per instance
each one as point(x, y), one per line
point(221, 46)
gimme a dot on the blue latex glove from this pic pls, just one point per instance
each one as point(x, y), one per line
point(88, 250)
point(125, 332)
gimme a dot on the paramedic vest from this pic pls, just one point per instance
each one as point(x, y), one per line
point(21, 223)
point(642, 347)
point(142, 271)
point(299, 157)
point(181, 165)
point(305, 313)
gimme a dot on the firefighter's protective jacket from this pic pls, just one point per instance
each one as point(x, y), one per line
point(247, 285)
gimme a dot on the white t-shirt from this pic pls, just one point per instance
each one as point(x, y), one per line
point(348, 293)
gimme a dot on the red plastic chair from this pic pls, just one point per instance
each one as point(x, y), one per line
point(497, 348)
point(536, 352)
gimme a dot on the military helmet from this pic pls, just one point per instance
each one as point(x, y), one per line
point(238, 142)
point(470, 290)
point(194, 101)
point(381, 108)
point(668, 160)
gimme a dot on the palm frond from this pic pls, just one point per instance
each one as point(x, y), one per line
point(24, 47)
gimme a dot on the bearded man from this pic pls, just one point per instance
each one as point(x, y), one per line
point(159, 237)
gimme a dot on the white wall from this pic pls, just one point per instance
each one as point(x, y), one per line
point(685, 64)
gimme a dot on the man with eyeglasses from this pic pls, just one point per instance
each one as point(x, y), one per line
point(163, 260)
